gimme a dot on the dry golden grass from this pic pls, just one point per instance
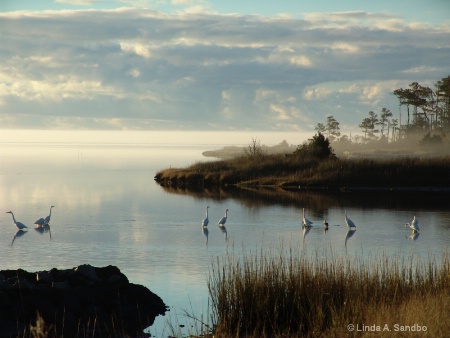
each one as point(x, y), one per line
point(294, 170)
point(284, 294)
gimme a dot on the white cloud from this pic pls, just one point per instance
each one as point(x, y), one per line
point(207, 69)
point(136, 48)
point(77, 2)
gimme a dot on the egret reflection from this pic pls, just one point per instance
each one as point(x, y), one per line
point(414, 235)
point(349, 235)
point(205, 232)
point(325, 226)
point(43, 230)
point(306, 229)
point(223, 228)
point(18, 234)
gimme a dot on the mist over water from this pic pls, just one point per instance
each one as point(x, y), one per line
point(109, 211)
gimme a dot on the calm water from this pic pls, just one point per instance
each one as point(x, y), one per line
point(108, 210)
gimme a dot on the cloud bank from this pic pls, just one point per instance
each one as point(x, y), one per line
point(144, 69)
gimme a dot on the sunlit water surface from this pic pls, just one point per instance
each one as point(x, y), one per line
point(109, 211)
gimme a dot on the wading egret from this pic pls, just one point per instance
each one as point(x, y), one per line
point(348, 221)
point(19, 225)
point(39, 223)
point(306, 222)
point(205, 222)
point(414, 224)
point(223, 219)
point(47, 219)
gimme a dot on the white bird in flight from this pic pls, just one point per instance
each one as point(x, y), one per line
point(306, 222)
point(414, 224)
point(348, 221)
point(205, 222)
point(19, 225)
point(223, 219)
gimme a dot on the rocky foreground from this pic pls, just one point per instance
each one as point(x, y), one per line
point(77, 302)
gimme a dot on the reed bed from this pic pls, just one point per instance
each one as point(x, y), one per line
point(287, 293)
point(283, 170)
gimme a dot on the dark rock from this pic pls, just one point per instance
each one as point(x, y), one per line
point(83, 301)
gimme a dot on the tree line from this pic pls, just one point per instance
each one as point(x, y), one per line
point(427, 113)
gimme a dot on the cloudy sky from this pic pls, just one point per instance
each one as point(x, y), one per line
point(213, 65)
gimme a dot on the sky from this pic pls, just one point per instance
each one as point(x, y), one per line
point(279, 66)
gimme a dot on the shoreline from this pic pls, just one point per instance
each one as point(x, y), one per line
point(300, 173)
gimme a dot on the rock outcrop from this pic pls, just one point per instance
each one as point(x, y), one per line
point(83, 301)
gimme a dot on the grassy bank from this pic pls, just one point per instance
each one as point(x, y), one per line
point(284, 295)
point(284, 171)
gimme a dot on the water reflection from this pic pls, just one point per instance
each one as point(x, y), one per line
point(318, 200)
point(115, 214)
point(18, 234)
point(414, 235)
point(350, 233)
point(205, 232)
point(223, 228)
point(325, 226)
point(306, 229)
point(44, 229)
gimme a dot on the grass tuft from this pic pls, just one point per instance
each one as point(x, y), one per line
point(283, 294)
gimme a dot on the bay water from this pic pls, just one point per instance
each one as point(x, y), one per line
point(110, 211)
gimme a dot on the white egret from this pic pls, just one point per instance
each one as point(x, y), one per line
point(348, 221)
point(205, 222)
point(47, 219)
point(306, 222)
point(19, 225)
point(39, 223)
point(414, 224)
point(223, 219)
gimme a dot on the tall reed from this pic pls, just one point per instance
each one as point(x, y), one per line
point(290, 293)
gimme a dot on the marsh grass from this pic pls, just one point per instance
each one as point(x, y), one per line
point(283, 170)
point(284, 294)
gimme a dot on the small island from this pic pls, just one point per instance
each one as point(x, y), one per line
point(315, 165)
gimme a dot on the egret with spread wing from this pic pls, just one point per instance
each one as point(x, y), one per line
point(39, 223)
point(414, 224)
